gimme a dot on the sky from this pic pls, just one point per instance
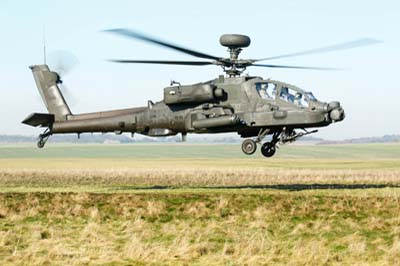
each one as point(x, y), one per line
point(368, 88)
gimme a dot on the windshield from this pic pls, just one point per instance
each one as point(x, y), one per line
point(293, 96)
point(311, 96)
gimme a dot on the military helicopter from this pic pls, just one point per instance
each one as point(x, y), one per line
point(249, 105)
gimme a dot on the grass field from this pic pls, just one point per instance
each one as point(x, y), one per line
point(175, 204)
point(187, 151)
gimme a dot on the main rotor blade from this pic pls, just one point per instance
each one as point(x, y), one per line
point(326, 49)
point(295, 67)
point(163, 62)
point(135, 35)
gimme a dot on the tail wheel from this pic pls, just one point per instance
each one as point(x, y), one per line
point(249, 146)
point(268, 149)
point(42, 139)
point(41, 143)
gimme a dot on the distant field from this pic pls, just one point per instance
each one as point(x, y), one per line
point(187, 151)
point(108, 167)
point(183, 204)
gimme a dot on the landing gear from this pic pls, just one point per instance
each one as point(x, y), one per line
point(42, 139)
point(249, 146)
point(41, 143)
point(268, 149)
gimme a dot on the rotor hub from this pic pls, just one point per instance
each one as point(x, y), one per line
point(235, 43)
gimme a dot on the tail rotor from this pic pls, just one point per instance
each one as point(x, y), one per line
point(63, 62)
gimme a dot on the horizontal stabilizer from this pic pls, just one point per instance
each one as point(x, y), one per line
point(37, 119)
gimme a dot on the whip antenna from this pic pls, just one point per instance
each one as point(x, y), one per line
point(44, 45)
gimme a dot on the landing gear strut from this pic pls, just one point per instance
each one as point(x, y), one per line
point(268, 149)
point(42, 139)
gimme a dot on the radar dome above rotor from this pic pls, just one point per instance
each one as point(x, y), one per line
point(234, 41)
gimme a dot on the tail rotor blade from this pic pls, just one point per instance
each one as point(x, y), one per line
point(68, 94)
point(63, 62)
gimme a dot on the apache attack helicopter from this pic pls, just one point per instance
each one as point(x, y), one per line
point(249, 105)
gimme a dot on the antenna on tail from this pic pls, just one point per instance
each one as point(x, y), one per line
point(44, 44)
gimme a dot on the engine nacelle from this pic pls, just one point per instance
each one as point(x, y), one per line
point(198, 93)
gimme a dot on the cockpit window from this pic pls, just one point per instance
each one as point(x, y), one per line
point(287, 94)
point(300, 100)
point(266, 90)
point(293, 96)
point(311, 96)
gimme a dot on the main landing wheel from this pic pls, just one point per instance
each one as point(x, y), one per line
point(268, 149)
point(249, 146)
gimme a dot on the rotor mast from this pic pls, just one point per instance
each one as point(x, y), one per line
point(235, 43)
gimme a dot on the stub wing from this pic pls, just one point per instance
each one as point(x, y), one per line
point(39, 119)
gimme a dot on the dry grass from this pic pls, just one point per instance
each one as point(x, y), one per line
point(198, 229)
point(206, 219)
point(113, 173)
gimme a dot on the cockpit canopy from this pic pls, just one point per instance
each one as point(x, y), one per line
point(272, 90)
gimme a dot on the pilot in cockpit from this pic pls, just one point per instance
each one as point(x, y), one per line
point(286, 95)
point(263, 91)
point(297, 99)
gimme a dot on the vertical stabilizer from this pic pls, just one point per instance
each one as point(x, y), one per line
point(47, 83)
